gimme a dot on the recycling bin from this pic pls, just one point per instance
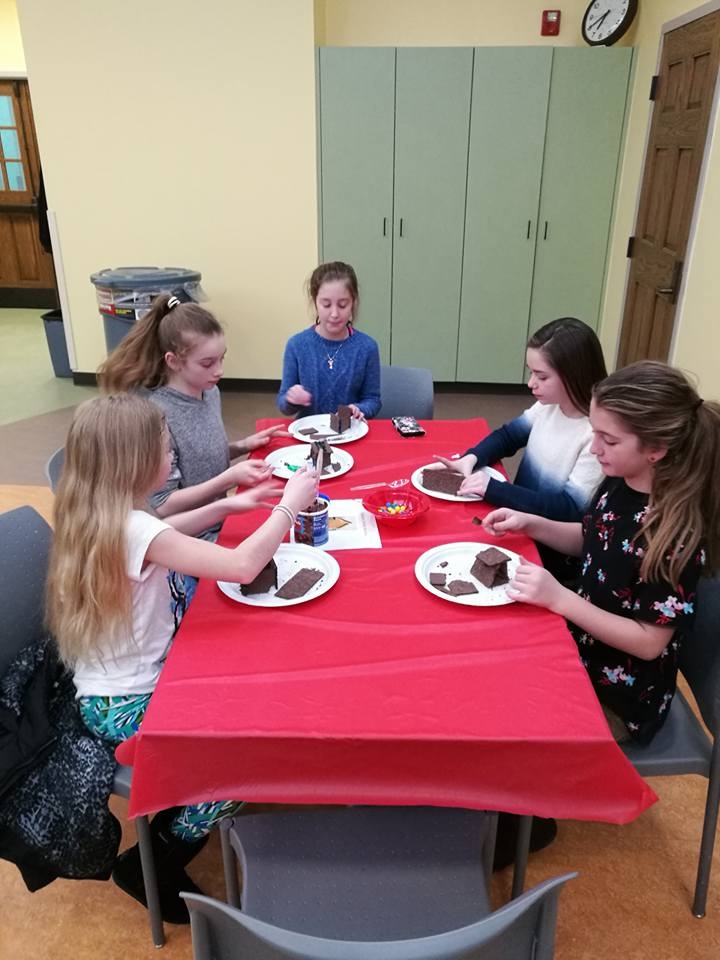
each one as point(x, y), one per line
point(55, 336)
point(124, 294)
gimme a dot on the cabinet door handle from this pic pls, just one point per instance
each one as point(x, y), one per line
point(401, 226)
point(545, 231)
point(384, 226)
point(527, 235)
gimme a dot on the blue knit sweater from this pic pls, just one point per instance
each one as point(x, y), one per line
point(354, 377)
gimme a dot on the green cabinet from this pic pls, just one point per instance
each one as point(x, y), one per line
point(393, 141)
point(472, 189)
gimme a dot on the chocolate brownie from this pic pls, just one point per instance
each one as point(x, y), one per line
point(442, 481)
point(299, 584)
point(263, 581)
point(490, 567)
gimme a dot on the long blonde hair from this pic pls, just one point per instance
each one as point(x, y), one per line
point(113, 454)
point(662, 408)
point(139, 358)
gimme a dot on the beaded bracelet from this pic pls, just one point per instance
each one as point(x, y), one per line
point(286, 510)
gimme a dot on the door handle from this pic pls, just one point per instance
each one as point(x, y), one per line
point(527, 235)
point(671, 290)
point(384, 226)
point(545, 231)
point(401, 226)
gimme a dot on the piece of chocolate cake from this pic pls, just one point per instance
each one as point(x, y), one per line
point(299, 584)
point(263, 581)
point(342, 418)
point(490, 567)
point(442, 481)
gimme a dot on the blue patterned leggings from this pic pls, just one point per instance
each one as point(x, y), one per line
point(118, 718)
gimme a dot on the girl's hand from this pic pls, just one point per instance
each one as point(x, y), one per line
point(356, 412)
point(299, 396)
point(463, 465)
point(261, 495)
point(533, 584)
point(248, 473)
point(504, 520)
point(263, 437)
point(476, 483)
point(300, 490)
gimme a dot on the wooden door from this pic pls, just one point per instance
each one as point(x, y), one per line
point(678, 131)
point(356, 94)
point(431, 148)
point(588, 94)
point(507, 136)
point(27, 277)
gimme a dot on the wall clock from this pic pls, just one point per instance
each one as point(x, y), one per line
point(605, 21)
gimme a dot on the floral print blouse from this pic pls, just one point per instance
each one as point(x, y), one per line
point(638, 691)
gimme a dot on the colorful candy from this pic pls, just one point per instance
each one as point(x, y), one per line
point(392, 508)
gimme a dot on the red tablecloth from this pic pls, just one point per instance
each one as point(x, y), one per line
point(378, 691)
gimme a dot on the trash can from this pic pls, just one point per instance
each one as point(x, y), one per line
point(125, 294)
point(55, 335)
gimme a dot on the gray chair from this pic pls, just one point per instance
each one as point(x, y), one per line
point(406, 392)
point(53, 468)
point(524, 929)
point(25, 539)
point(682, 746)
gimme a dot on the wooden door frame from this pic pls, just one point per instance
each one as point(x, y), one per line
point(712, 6)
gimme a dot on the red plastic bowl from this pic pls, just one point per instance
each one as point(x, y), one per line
point(379, 503)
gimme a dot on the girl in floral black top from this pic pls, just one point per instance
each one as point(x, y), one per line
point(654, 523)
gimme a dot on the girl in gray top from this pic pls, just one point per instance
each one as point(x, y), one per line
point(176, 353)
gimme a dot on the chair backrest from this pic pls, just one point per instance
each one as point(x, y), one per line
point(700, 652)
point(53, 468)
point(24, 551)
point(524, 929)
point(406, 392)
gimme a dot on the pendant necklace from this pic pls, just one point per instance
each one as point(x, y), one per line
point(331, 357)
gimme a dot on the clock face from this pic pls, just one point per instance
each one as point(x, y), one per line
point(605, 21)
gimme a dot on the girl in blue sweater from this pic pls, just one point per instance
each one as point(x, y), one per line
point(331, 363)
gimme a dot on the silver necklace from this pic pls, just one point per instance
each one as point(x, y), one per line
point(330, 357)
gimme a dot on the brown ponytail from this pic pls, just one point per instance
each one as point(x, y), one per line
point(139, 358)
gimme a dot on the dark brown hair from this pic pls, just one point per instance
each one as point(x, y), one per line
point(661, 407)
point(139, 358)
point(573, 350)
point(328, 273)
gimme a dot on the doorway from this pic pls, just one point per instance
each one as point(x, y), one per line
point(684, 93)
point(27, 275)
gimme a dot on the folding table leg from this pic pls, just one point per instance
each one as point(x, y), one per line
point(147, 861)
point(522, 852)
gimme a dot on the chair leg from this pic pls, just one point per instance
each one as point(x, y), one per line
point(232, 886)
point(708, 839)
point(147, 861)
point(522, 851)
point(489, 848)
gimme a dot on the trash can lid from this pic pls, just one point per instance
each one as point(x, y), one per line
point(144, 277)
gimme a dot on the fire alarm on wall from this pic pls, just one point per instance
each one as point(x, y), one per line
point(550, 23)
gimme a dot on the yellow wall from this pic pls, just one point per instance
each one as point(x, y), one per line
point(697, 340)
point(182, 134)
point(445, 22)
point(12, 58)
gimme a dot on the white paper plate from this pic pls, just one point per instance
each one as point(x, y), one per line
point(285, 458)
point(460, 558)
point(416, 480)
point(290, 557)
point(321, 422)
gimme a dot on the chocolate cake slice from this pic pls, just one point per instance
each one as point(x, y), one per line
point(340, 420)
point(266, 579)
point(490, 567)
point(299, 584)
point(442, 481)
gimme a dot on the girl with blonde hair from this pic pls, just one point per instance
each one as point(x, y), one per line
point(113, 605)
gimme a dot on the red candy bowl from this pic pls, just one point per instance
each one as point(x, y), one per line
point(396, 508)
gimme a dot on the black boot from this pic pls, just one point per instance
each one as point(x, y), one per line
point(542, 834)
point(171, 856)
